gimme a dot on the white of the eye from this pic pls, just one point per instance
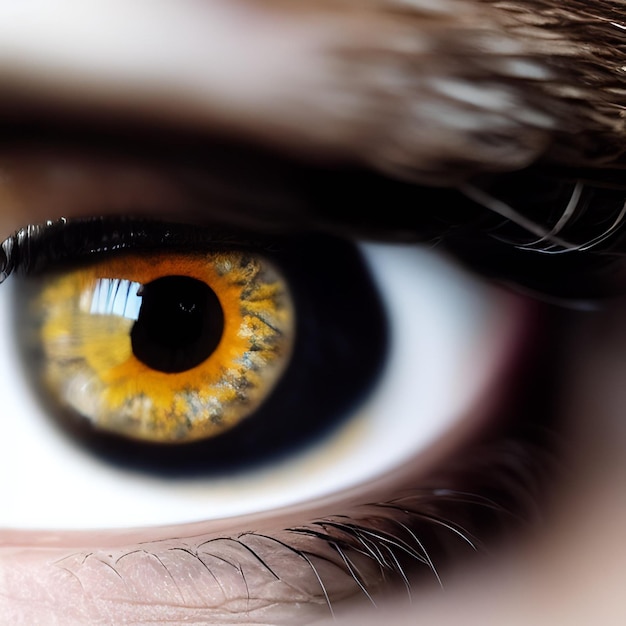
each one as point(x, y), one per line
point(450, 334)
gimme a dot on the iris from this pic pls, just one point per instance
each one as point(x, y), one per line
point(164, 347)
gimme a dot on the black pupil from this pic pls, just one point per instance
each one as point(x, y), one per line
point(180, 324)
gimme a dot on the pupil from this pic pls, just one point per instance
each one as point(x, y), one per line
point(180, 324)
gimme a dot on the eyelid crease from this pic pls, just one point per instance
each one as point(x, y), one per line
point(37, 247)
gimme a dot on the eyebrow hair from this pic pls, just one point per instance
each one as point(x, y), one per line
point(492, 86)
point(552, 69)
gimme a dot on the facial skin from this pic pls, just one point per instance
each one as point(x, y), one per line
point(106, 64)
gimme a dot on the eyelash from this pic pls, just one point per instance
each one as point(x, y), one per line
point(406, 540)
point(38, 246)
point(559, 235)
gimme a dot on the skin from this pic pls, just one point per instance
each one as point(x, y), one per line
point(570, 569)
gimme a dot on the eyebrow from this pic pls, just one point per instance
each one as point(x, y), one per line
point(373, 83)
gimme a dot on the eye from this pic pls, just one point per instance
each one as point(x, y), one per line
point(401, 407)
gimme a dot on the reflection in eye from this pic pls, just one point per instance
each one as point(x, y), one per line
point(167, 348)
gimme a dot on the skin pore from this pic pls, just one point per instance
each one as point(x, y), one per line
point(77, 73)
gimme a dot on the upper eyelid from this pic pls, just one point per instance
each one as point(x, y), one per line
point(249, 189)
point(48, 181)
point(184, 187)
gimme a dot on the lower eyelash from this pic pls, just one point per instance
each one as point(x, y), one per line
point(315, 570)
point(320, 564)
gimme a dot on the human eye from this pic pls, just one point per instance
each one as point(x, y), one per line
point(367, 465)
point(483, 87)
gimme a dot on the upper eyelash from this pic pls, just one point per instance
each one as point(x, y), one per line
point(471, 209)
point(36, 247)
point(606, 208)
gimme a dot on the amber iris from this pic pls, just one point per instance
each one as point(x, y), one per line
point(166, 347)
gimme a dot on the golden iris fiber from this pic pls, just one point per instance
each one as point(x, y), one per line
point(90, 367)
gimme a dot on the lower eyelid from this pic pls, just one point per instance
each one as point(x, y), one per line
point(281, 569)
point(212, 579)
point(286, 569)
